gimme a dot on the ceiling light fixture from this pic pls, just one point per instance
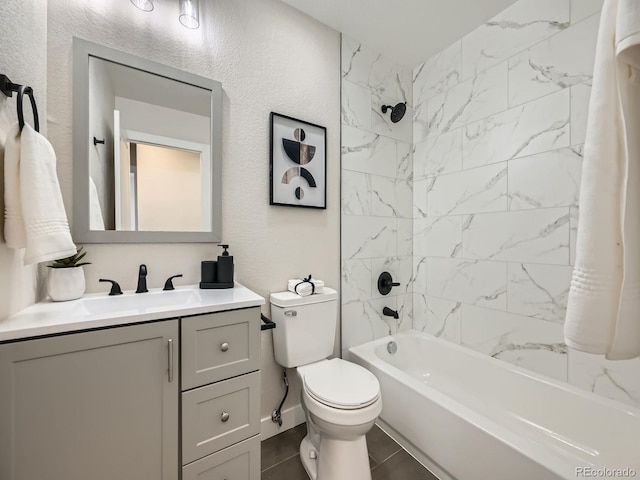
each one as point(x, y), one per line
point(189, 13)
point(144, 5)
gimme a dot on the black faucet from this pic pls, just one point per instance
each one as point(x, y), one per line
point(168, 285)
point(390, 313)
point(115, 288)
point(142, 279)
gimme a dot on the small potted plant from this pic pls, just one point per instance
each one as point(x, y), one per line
point(66, 278)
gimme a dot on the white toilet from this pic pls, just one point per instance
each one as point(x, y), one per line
point(341, 399)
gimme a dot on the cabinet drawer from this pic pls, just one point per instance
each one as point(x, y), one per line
point(219, 346)
point(218, 415)
point(238, 462)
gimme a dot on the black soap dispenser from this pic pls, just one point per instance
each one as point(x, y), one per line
point(225, 268)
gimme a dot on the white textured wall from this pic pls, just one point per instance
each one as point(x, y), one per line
point(499, 129)
point(376, 194)
point(23, 36)
point(269, 57)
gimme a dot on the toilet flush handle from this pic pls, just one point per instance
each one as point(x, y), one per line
point(290, 313)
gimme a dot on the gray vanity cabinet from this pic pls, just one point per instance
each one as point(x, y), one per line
point(221, 396)
point(99, 405)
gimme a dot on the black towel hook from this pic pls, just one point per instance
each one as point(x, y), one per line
point(29, 91)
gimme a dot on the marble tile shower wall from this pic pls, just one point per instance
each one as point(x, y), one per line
point(377, 199)
point(498, 132)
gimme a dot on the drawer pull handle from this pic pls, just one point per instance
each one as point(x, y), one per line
point(224, 346)
point(224, 417)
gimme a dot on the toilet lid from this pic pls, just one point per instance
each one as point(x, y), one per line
point(341, 384)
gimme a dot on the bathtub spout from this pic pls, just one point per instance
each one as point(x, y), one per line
point(390, 313)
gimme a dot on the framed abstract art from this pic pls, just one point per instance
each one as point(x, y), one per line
point(298, 163)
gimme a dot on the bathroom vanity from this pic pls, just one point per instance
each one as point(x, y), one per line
point(162, 385)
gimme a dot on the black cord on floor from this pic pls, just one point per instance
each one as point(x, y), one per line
point(276, 416)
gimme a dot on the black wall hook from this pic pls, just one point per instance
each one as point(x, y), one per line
point(96, 141)
point(8, 87)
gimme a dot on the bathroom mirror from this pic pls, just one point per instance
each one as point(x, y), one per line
point(146, 150)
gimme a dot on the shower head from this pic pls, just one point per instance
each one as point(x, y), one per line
point(397, 112)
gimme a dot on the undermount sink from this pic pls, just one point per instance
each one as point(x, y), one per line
point(152, 300)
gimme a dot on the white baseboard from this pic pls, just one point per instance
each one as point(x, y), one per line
point(291, 417)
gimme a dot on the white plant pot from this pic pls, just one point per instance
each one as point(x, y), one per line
point(66, 283)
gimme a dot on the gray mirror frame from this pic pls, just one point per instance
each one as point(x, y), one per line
point(82, 50)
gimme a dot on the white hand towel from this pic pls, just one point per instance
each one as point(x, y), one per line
point(604, 299)
point(305, 288)
point(14, 233)
point(299, 286)
point(45, 220)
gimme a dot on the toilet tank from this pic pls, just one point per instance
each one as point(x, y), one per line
point(305, 326)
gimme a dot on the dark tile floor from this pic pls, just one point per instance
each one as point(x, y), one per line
point(281, 460)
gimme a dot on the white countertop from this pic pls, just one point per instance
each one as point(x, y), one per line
point(100, 310)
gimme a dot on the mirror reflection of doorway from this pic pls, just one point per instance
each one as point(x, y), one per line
point(162, 184)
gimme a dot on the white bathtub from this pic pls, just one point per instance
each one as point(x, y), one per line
point(469, 416)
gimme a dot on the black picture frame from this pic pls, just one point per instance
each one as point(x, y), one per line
point(297, 169)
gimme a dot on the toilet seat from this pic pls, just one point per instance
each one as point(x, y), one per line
point(340, 384)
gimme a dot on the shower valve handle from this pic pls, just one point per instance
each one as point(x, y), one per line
point(385, 283)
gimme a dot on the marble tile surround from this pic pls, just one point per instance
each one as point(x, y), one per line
point(520, 26)
point(529, 343)
point(616, 380)
point(546, 180)
point(383, 77)
point(377, 194)
point(473, 99)
point(497, 168)
point(473, 205)
point(533, 236)
point(553, 65)
point(538, 126)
